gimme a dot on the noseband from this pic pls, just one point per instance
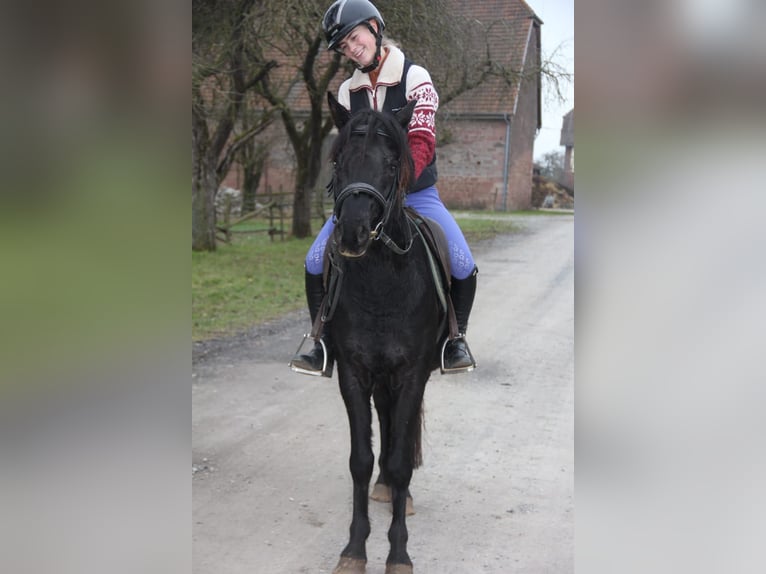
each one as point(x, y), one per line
point(386, 203)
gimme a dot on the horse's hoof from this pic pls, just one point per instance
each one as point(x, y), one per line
point(398, 569)
point(347, 565)
point(381, 493)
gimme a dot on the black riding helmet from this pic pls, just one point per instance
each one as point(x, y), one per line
point(345, 15)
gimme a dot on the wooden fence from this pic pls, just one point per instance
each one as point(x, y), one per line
point(275, 208)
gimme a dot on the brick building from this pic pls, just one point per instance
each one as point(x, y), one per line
point(485, 136)
point(488, 162)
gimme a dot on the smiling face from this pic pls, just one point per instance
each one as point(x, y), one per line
point(359, 45)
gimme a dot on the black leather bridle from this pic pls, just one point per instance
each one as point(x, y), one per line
point(386, 202)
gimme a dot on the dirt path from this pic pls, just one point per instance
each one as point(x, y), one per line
point(271, 488)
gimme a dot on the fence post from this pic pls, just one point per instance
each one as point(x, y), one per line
point(227, 217)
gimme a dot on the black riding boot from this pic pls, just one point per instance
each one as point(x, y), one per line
point(312, 363)
point(457, 356)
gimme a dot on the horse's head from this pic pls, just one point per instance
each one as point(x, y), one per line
point(372, 170)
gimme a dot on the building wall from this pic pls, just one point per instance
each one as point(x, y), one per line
point(523, 132)
point(569, 166)
point(470, 167)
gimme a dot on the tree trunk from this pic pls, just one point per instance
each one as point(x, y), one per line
point(309, 158)
point(249, 188)
point(252, 161)
point(302, 210)
point(204, 187)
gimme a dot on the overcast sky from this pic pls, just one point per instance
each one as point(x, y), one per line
point(557, 31)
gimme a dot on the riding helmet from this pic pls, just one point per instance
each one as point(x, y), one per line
point(345, 15)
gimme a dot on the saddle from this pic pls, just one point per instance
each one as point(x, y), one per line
point(433, 237)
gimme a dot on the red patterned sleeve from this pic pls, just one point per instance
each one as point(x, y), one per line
point(422, 128)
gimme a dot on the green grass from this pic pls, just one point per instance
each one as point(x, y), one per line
point(476, 229)
point(247, 282)
point(254, 279)
point(542, 212)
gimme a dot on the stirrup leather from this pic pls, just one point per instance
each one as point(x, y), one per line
point(301, 370)
point(471, 367)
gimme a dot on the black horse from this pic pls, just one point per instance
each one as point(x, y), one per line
point(387, 323)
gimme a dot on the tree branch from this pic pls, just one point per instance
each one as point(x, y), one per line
point(225, 163)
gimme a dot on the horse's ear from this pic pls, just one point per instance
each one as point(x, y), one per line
point(340, 115)
point(404, 115)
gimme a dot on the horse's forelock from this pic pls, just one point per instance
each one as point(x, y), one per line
point(390, 125)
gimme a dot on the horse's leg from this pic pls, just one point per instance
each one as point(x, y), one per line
point(405, 428)
point(381, 492)
point(361, 461)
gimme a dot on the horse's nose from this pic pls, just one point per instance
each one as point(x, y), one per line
point(352, 238)
point(362, 234)
point(356, 236)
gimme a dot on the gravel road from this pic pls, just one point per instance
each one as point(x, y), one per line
point(271, 487)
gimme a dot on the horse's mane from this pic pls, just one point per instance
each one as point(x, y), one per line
point(374, 121)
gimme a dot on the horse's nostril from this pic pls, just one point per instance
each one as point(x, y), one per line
point(361, 234)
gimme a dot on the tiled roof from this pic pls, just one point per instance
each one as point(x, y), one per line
point(509, 23)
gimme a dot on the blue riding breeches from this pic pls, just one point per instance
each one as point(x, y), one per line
point(427, 203)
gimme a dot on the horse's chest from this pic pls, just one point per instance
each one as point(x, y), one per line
point(387, 290)
point(381, 310)
point(387, 316)
point(382, 328)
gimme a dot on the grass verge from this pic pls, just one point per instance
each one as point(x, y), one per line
point(254, 279)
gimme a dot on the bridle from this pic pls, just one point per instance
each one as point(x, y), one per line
point(386, 203)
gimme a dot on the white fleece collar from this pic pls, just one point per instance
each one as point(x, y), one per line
point(390, 73)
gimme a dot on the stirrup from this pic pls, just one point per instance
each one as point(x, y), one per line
point(471, 367)
point(306, 371)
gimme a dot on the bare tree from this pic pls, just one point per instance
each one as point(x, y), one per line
point(225, 68)
point(552, 166)
point(296, 40)
point(461, 53)
point(252, 158)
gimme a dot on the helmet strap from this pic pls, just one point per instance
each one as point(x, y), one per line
point(376, 58)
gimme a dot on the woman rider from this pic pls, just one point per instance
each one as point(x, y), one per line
point(385, 81)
